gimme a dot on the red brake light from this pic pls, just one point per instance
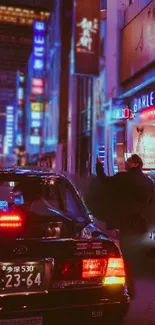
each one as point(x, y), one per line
point(112, 270)
point(115, 273)
point(10, 221)
point(93, 268)
point(68, 270)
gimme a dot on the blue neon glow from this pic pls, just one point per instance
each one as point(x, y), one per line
point(36, 115)
point(137, 88)
point(9, 128)
point(39, 26)
point(35, 140)
point(35, 123)
point(21, 78)
point(19, 200)
point(38, 45)
point(3, 205)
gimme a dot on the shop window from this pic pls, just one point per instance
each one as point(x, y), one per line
point(118, 148)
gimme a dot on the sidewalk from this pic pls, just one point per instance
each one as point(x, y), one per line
point(142, 310)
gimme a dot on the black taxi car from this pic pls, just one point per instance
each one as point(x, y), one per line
point(55, 265)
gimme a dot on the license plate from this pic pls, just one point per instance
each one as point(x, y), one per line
point(22, 321)
point(26, 276)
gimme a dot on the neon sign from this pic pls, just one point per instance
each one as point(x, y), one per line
point(121, 113)
point(35, 123)
point(144, 101)
point(88, 28)
point(38, 45)
point(9, 125)
point(148, 114)
point(36, 107)
point(37, 82)
point(87, 37)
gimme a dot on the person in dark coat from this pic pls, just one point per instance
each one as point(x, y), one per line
point(128, 195)
point(126, 192)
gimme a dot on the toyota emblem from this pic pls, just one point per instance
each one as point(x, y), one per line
point(21, 250)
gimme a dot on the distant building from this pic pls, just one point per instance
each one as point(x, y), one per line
point(15, 46)
point(34, 92)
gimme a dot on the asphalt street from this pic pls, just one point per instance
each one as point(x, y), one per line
point(140, 253)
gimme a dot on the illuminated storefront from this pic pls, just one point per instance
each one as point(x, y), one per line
point(116, 115)
point(130, 128)
point(130, 118)
point(141, 129)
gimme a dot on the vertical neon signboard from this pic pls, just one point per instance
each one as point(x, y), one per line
point(38, 45)
point(87, 37)
point(10, 126)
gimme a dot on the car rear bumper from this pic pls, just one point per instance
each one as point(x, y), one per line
point(43, 306)
point(104, 313)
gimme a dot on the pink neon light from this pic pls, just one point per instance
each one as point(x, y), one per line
point(37, 82)
point(126, 113)
point(37, 90)
point(148, 114)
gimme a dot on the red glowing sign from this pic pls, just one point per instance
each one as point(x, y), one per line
point(121, 113)
point(20, 102)
point(37, 86)
point(148, 114)
point(87, 37)
point(37, 82)
point(37, 91)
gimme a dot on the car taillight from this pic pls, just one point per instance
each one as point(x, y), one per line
point(112, 270)
point(68, 270)
point(10, 221)
point(115, 273)
point(93, 268)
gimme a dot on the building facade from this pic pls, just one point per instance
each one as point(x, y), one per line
point(71, 70)
point(15, 47)
point(129, 110)
point(98, 101)
point(84, 71)
point(56, 78)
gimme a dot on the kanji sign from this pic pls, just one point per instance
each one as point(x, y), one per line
point(36, 107)
point(37, 82)
point(87, 37)
point(37, 90)
point(38, 45)
point(88, 27)
point(37, 86)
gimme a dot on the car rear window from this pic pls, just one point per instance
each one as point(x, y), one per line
point(42, 197)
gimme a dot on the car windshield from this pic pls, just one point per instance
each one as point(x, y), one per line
point(42, 197)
